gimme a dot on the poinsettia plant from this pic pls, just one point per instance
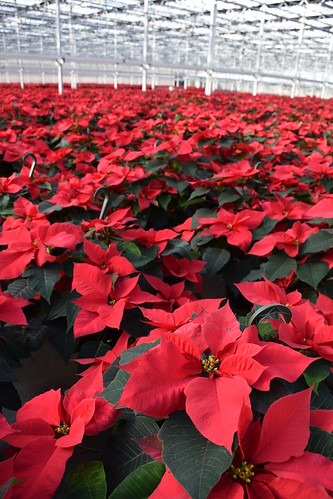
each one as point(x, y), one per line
point(181, 257)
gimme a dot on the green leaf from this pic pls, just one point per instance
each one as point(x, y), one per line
point(111, 372)
point(133, 353)
point(114, 390)
point(43, 279)
point(317, 372)
point(141, 257)
point(193, 460)
point(179, 185)
point(279, 266)
point(21, 289)
point(228, 197)
point(216, 259)
point(88, 481)
point(266, 331)
point(155, 165)
point(6, 373)
point(123, 454)
point(266, 226)
point(62, 339)
point(71, 311)
point(201, 213)
point(312, 272)
point(323, 399)
point(200, 191)
point(318, 242)
point(164, 199)
point(46, 207)
point(59, 305)
point(141, 483)
point(320, 442)
point(254, 275)
point(132, 248)
point(271, 311)
point(178, 247)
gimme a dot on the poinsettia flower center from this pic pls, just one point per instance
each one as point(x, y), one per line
point(112, 302)
point(61, 430)
point(210, 364)
point(243, 472)
point(230, 226)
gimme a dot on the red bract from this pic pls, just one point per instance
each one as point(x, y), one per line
point(109, 260)
point(271, 461)
point(318, 165)
point(169, 295)
point(266, 292)
point(73, 193)
point(236, 227)
point(113, 222)
point(322, 209)
point(150, 237)
point(106, 360)
point(231, 173)
point(289, 241)
point(27, 214)
point(166, 321)
point(11, 184)
point(184, 268)
point(308, 331)
point(48, 428)
point(11, 309)
point(118, 174)
point(284, 208)
point(25, 245)
point(209, 363)
point(103, 300)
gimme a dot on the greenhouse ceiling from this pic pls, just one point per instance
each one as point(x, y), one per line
point(271, 45)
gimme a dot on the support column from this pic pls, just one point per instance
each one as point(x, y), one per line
point(187, 49)
point(327, 68)
point(211, 47)
point(18, 38)
point(153, 76)
point(60, 60)
point(261, 34)
point(73, 50)
point(298, 56)
point(145, 46)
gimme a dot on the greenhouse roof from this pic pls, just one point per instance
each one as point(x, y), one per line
point(286, 42)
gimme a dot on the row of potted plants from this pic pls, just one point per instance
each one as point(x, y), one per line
point(178, 248)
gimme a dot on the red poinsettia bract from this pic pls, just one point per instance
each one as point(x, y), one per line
point(11, 309)
point(270, 461)
point(103, 299)
point(47, 429)
point(236, 227)
point(207, 369)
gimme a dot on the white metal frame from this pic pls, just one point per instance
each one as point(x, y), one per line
point(202, 42)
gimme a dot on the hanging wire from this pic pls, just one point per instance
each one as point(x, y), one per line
point(34, 162)
point(102, 192)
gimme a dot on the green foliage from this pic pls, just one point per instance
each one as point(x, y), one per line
point(88, 481)
point(194, 461)
point(312, 272)
point(140, 483)
point(43, 279)
point(320, 442)
point(278, 266)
